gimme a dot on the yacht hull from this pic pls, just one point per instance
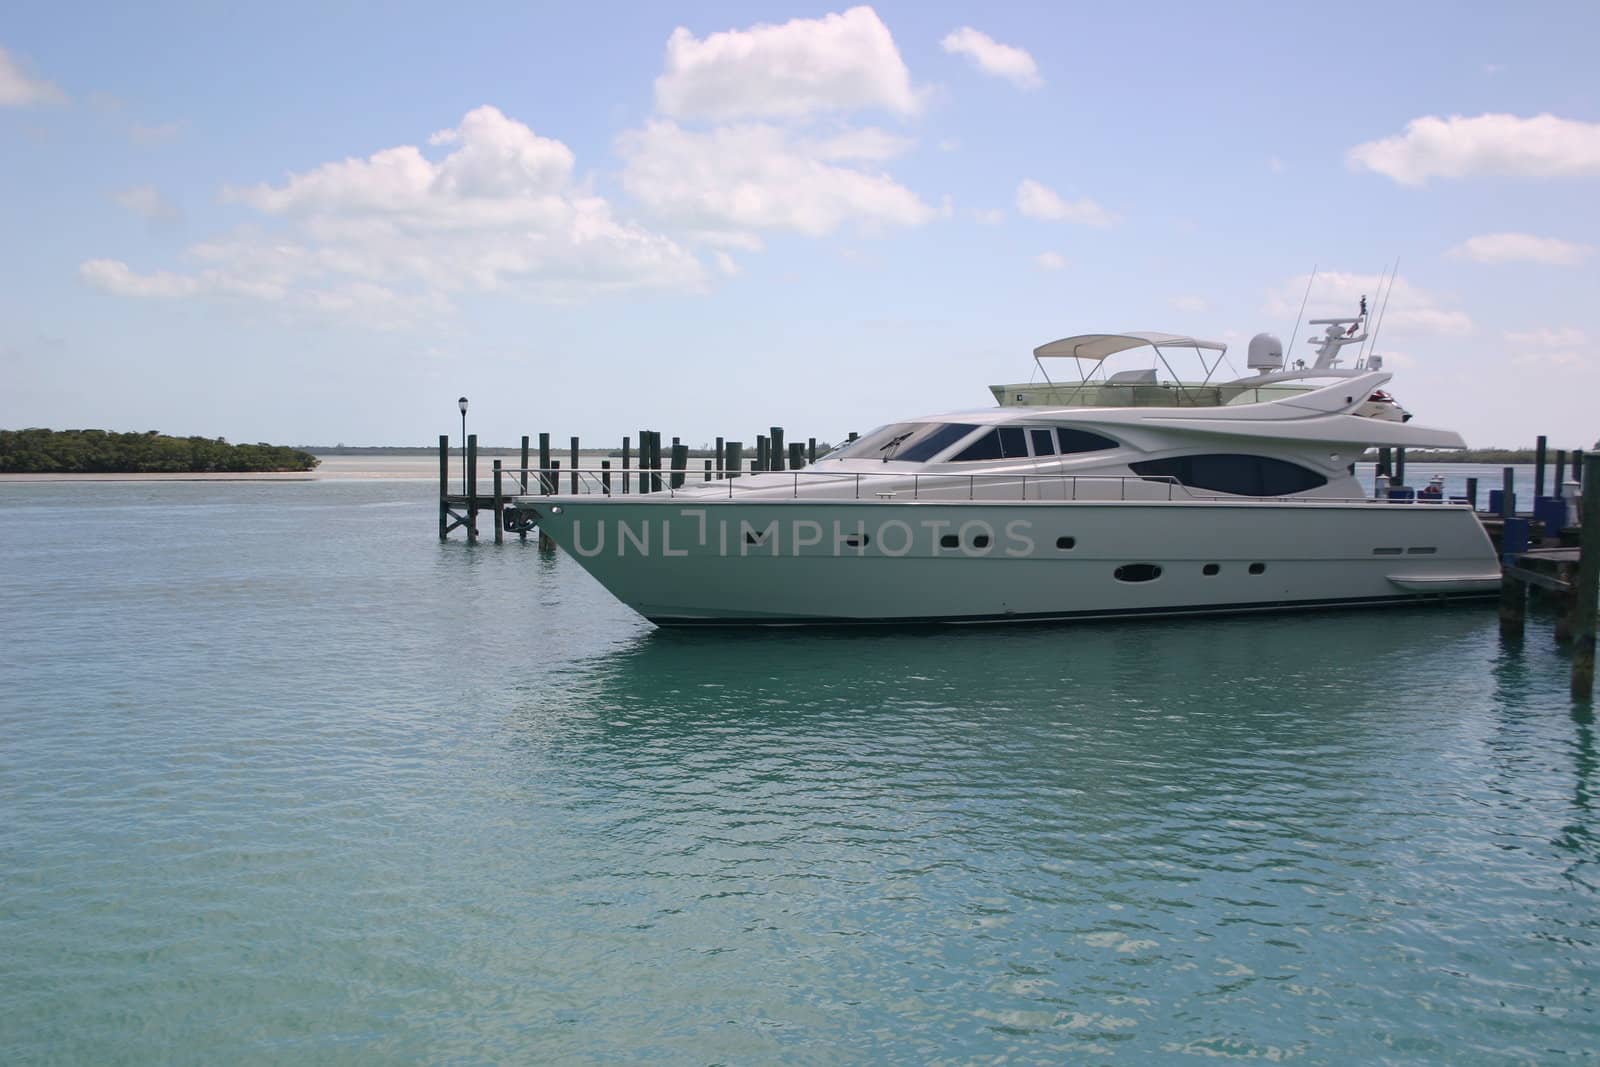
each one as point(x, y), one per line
point(682, 561)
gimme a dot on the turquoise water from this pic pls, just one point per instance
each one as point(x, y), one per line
point(285, 780)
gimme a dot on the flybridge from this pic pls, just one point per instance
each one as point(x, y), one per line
point(1148, 386)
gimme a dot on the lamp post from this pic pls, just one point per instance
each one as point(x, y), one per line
point(462, 404)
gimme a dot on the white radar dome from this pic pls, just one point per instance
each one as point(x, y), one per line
point(1266, 353)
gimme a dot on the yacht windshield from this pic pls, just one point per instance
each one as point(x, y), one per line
point(914, 442)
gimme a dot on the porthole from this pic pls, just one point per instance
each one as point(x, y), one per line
point(981, 541)
point(1209, 569)
point(1258, 568)
point(1066, 544)
point(1422, 551)
point(949, 541)
point(856, 540)
point(1137, 572)
point(1386, 552)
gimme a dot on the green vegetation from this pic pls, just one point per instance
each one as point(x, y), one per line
point(1501, 456)
point(36, 451)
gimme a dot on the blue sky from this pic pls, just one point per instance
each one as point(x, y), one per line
point(321, 223)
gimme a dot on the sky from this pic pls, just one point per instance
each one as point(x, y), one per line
point(316, 224)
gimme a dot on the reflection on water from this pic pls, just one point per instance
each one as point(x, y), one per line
point(287, 779)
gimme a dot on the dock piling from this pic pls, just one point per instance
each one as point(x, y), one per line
point(735, 459)
point(546, 484)
point(444, 486)
point(1539, 453)
point(472, 489)
point(499, 504)
point(1586, 587)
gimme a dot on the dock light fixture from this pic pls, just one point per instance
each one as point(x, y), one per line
point(462, 404)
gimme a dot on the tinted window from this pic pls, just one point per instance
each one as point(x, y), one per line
point(1082, 441)
point(1044, 442)
point(1008, 442)
point(1234, 474)
point(935, 442)
point(1137, 572)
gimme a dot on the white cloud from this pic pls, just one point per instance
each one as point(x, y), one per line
point(1050, 261)
point(147, 202)
point(991, 217)
point(1521, 248)
point(729, 181)
point(837, 63)
point(1563, 346)
point(1276, 165)
point(114, 276)
point(990, 56)
point(1193, 304)
point(1411, 310)
point(20, 89)
point(1038, 201)
point(725, 263)
point(397, 233)
point(1456, 147)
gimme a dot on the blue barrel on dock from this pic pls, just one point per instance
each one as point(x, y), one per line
point(1514, 537)
point(1495, 496)
point(1552, 512)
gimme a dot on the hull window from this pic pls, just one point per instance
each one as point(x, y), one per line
point(1236, 475)
point(1210, 569)
point(1258, 568)
point(1043, 441)
point(1066, 544)
point(1137, 572)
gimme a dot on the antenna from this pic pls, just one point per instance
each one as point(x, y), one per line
point(1385, 309)
point(1297, 318)
point(1362, 353)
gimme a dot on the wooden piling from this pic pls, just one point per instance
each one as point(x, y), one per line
point(1384, 460)
point(574, 473)
point(853, 436)
point(776, 448)
point(444, 486)
point(1539, 454)
point(735, 460)
point(797, 456)
point(1508, 491)
point(472, 488)
point(546, 483)
point(499, 505)
point(1586, 586)
point(1472, 493)
point(625, 475)
point(761, 453)
point(1578, 471)
point(605, 476)
point(708, 470)
point(1400, 466)
point(680, 463)
point(811, 450)
point(719, 458)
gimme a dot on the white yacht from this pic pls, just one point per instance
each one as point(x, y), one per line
point(1081, 501)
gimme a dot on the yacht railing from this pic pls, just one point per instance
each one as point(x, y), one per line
point(899, 486)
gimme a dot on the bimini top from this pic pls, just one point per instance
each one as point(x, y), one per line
point(1101, 345)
